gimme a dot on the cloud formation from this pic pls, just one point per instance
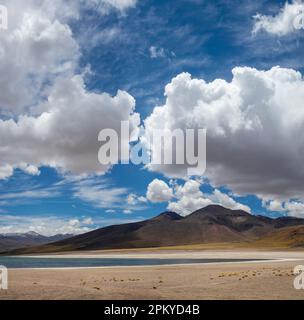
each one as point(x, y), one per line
point(44, 118)
point(254, 129)
point(50, 225)
point(292, 208)
point(287, 21)
point(58, 137)
point(187, 198)
point(45, 225)
point(37, 47)
point(159, 191)
point(104, 6)
point(190, 198)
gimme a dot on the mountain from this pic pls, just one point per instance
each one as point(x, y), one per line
point(290, 237)
point(213, 224)
point(12, 241)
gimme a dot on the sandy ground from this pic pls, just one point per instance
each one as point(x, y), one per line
point(258, 280)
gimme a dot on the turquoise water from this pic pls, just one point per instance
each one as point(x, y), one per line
point(37, 262)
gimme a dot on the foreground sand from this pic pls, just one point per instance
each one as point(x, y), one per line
point(263, 280)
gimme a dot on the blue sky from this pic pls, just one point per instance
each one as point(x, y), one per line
point(139, 48)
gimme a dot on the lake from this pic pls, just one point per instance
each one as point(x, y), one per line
point(42, 262)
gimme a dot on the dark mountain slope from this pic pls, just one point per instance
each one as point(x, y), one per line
point(213, 224)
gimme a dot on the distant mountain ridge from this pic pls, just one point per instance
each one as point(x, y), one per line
point(10, 241)
point(213, 224)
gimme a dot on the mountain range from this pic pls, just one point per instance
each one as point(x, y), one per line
point(213, 224)
point(10, 241)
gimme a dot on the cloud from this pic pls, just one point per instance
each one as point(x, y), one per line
point(100, 193)
point(134, 199)
point(48, 226)
point(284, 23)
point(29, 169)
point(110, 211)
point(31, 194)
point(292, 208)
point(91, 39)
point(159, 191)
point(37, 47)
point(190, 198)
point(51, 225)
point(187, 198)
point(105, 6)
point(74, 222)
point(295, 208)
point(226, 201)
point(6, 171)
point(57, 137)
point(88, 221)
point(274, 205)
point(43, 123)
point(131, 199)
point(254, 129)
point(26, 192)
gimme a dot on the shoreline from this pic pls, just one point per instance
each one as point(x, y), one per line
point(163, 265)
point(248, 280)
point(174, 254)
point(225, 257)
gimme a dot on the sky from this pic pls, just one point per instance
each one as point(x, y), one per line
point(69, 69)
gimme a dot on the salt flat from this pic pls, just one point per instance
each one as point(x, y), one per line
point(259, 280)
point(188, 254)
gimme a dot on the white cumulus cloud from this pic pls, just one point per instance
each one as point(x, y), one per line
point(37, 47)
point(51, 119)
point(159, 191)
point(285, 22)
point(65, 135)
point(189, 198)
point(292, 208)
point(254, 129)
